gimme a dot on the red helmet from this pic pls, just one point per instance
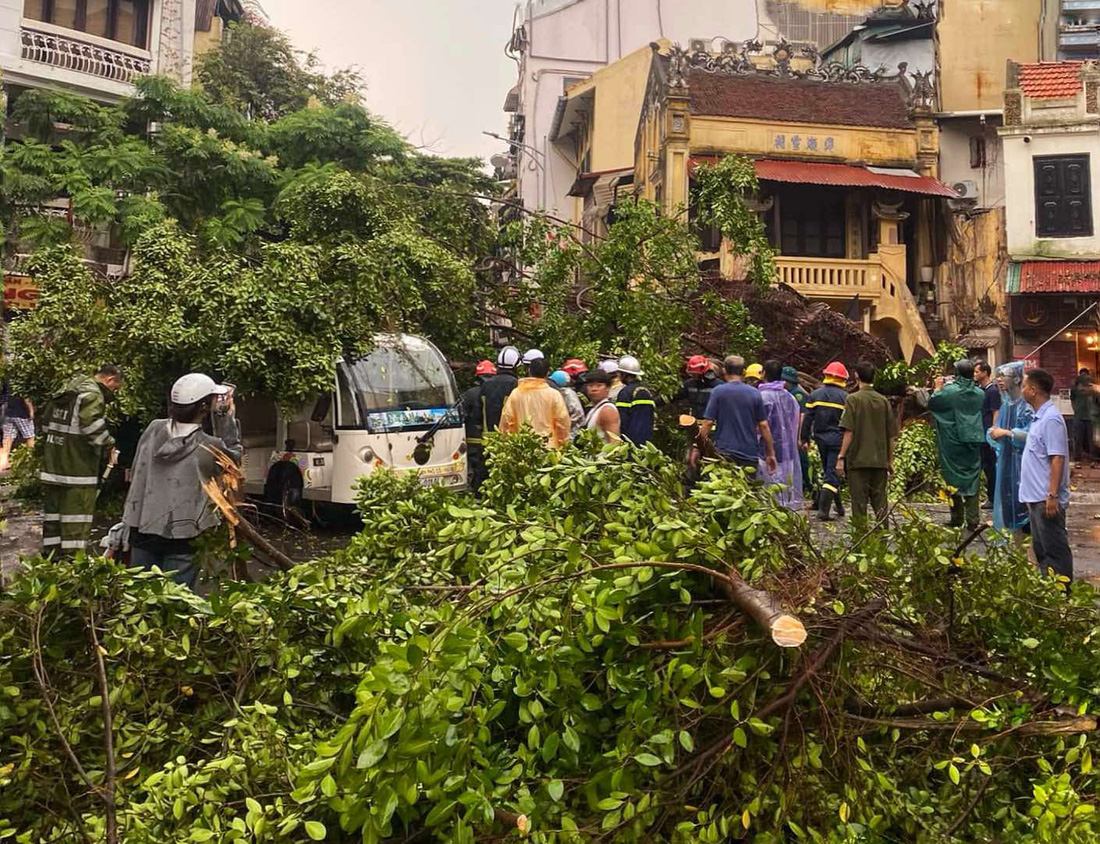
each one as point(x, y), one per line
point(574, 367)
point(697, 365)
point(485, 367)
point(837, 370)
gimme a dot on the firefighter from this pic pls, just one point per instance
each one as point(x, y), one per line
point(77, 440)
point(697, 386)
point(822, 422)
point(635, 402)
point(471, 412)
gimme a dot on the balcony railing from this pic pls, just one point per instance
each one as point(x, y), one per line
point(82, 53)
point(834, 277)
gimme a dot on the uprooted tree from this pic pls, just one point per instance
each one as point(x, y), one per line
point(578, 657)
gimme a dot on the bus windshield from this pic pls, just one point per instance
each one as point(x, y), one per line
point(403, 386)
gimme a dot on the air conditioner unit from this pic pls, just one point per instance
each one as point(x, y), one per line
point(967, 189)
point(697, 45)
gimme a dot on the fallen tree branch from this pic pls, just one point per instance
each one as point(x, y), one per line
point(110, 770)
point(1057, 727)
point(238, 522)
point(785, 629)
point(855, 620)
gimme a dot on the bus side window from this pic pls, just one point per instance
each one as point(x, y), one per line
point(348, 416)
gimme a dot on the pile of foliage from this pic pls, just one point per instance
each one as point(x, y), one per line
point(916, 470)
point(561, 660)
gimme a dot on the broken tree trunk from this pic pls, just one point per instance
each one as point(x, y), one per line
point(785, 629)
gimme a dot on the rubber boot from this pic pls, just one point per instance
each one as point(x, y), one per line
point(825, 505)
point(838, 500)
point(957, 509)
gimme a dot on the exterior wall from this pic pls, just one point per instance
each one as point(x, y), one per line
point(1020, 178)
point(978, 261)
point(619, 89)
point(975, 41)
point(171, 43)
point(575, 39)
point(955, 135)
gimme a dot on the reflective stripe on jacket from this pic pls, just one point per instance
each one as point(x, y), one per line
point(822, 417)
point(636, 406)
point(75, 434)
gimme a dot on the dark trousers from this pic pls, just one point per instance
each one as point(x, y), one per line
point(1050, 540)
point(964, 510)
point(989, 467)
point(180, 566)
point(867, 485)
point(477, 470)
point(1082, 438)
point(829, 478)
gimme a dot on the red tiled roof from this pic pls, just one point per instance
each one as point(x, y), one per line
point(790, 100)
point(1050, 80)
point(844, 175)
point(1059, 277)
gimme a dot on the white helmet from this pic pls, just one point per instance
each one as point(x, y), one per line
point(533, 354)
point(508, 357)
point(194, 387)
point(628, 365)
point(609, 366)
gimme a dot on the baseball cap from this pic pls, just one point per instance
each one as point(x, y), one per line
point(533, 354)
point(195, 386)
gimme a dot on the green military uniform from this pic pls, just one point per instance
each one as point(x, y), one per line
point(957, 412)
point(868, 415)
point(76, 436)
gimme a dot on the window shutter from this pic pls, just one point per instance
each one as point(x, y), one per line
point(1063, 206)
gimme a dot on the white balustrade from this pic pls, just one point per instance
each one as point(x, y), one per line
point(83, 54)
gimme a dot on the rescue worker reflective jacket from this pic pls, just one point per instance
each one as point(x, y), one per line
point(493, 394)
point(636, 406)
point(823, 412)
point(696, 390)
point(76, 434)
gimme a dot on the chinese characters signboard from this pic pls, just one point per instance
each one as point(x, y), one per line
point(799, 142)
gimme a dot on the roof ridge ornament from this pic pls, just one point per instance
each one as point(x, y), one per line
point(739, 62)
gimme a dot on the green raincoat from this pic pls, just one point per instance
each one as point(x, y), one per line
point(957, 411)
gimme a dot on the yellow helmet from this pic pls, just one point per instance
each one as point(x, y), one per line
point(754, 370)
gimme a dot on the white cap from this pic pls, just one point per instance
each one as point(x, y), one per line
point(609, 366)
point(508, 357)
point(194, 386)
point(629, 364)
point(533, 354)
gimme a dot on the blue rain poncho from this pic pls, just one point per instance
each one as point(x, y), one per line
point(1015, 415)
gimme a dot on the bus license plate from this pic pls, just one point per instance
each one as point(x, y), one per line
point(438, 480)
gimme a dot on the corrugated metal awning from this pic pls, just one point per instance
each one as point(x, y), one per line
point(1054, 277)
point(842, 175)
point(849, 175)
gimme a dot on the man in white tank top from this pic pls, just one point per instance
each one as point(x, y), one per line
point(604, 416)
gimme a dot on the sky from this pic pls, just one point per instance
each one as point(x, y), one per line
point(435, 69)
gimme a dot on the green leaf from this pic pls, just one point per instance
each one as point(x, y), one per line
point(686, 741)
point(371, 754)
point(647, 759)
point(517, 641)
point(556, 789)
point(953, 772)
point(591, 702)
point(739, 737)
point(316, 830)
point(1030, 642)
point(201, 835)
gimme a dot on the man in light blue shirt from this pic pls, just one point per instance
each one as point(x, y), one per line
point(1044, 476)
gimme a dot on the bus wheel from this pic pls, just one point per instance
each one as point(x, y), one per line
point(284, 491)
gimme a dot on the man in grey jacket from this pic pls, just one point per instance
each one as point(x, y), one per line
point(167, 507)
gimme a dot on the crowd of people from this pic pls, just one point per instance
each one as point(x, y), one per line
point(754, 416)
